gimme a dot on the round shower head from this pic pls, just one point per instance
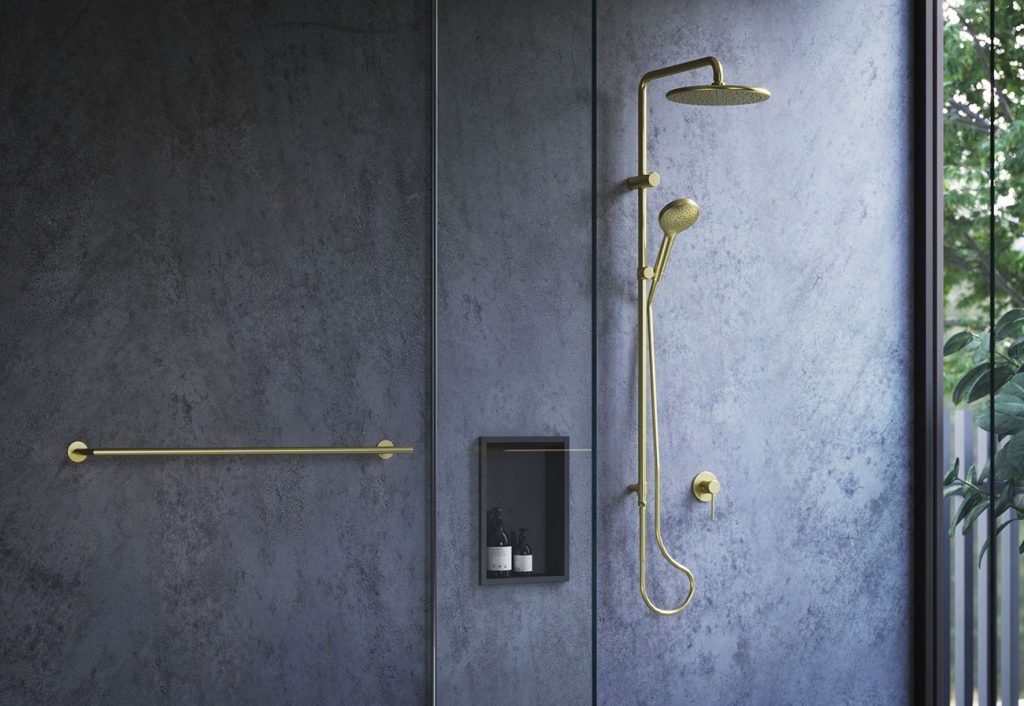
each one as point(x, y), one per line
point(718, 94)
point(678, 215)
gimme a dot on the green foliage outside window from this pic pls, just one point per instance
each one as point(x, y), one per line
point(972, 278)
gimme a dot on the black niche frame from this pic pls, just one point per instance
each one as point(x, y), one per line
point(530, 476)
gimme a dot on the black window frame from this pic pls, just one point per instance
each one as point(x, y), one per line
point(930, 597)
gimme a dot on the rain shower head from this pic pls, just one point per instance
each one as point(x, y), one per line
point(718, 94)
point(677, 216)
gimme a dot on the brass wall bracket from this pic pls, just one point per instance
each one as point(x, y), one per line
point(644, 181)
point(641, 495)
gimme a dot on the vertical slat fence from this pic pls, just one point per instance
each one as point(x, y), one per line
point(962, 550)
point(981, 577)
point(969, 595)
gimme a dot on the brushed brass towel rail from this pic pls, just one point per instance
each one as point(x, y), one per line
point(78, 451)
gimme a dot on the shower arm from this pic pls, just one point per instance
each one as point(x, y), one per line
point(645, 339)
point(642, 180)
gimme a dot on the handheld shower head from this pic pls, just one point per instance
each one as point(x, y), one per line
point(676, 217)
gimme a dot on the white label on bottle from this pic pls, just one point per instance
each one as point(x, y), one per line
point(499, 558)
point(522, 563)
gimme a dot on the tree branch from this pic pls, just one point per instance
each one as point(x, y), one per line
point(959, 263)
point(1003, 283)
point(981, 51)
point(959, 120)
point(968, 116)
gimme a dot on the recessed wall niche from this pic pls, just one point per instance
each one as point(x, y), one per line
point(528, 476)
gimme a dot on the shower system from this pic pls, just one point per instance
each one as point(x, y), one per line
point(674, 218)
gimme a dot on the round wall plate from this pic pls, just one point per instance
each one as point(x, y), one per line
point(700, 486)
point(76, 451)
point(385, 444)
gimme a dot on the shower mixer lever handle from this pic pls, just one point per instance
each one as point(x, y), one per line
point(705, 488)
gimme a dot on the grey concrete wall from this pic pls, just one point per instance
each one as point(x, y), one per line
point(214, 229)
point(514, 323)
point(783, 356)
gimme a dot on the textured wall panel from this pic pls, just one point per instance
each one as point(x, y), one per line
point(213, 231)
point(514, 325)
point(783, 340)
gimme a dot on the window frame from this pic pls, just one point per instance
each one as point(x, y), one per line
point(930, 647)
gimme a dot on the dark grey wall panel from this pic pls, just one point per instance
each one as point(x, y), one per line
point(214, 229)
point(514, 330)
point(783, 356)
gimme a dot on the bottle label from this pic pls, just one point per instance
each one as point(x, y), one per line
point(499, 558)
point(522, 563)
